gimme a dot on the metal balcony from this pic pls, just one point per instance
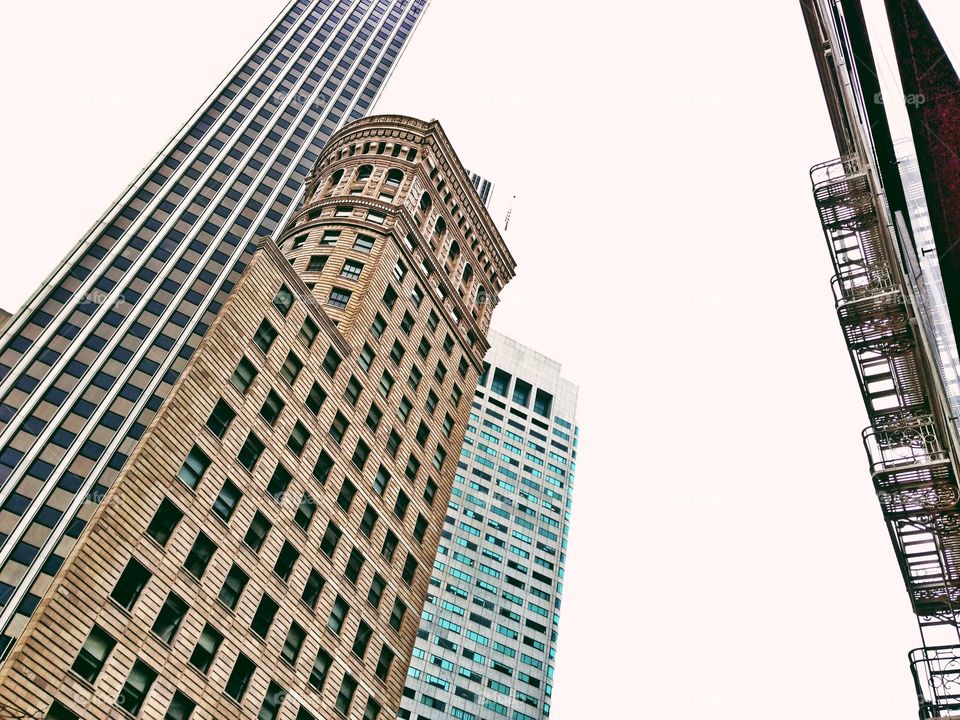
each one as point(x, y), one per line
point(936, 676)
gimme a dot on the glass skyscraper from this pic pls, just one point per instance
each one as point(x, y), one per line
point(486, 646)
point(92, 355)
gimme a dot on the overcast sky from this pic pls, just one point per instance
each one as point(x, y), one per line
point(727, 555)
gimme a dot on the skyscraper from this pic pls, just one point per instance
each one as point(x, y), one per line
point(484, 187)
point(890, 212)
point(89, 359)
point(487, 640)
point(266, 548)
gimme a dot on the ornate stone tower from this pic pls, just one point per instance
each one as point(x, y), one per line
point(266, 549)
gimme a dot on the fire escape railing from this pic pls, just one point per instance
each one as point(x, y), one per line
point(907, 441)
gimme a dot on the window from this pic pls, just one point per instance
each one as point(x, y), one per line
point(194, 467)
point(342, 211)
point(406, 323)
point(272, 407)
point(361, 640)
point(308, 331)
point(448, 344)
point(321, 666)
point(321, 471)
point(423, 432)
point(377, 586)
point(429, 491)
point(447, 425)
point(226, 501)
point(366, 357)
point(263, 616)
point(381, 481)
point(397, 352)
point(304, 714)
point(462, 368)
point(168, 620)
point(420, 528)
point(265, 336)
point(409, 569)
point(501, 381)
point(164, 521)
point(384, 662)
point(455, 394)
point(369, 521)
point(304, 516)
point(135, 689)
point(403, 410)
point(389, 297)
point(257, 532)
point(298, 241)
point(439, 456)
point(199, 556)
point(244, 375)
point(347, 492)
point(293, 644)
point(338, 615)
point(206, 648)
point(423, 349)
point(378, 326)
point(316, 263)
point(425, 203)
point(386, 384)
point(93, 655)
point(313, 588)
point(298, 438)
point(396, 615)
point(279, 482)
point(291, 368)
point(250, 452)
point(58, 711)
point(393, 443)
point(181, 707)
point(351, 270)
point(364, 243)
point(389, 546)
point(339, 427)
point(220, 418)
point(331, 537)
point(413, 467)
point(330, 237)
point(331, 362)
point(233, 586)
point(416, 296)
point(283, 300)
point(542, 403)
point(374, 415)
point(345, 696)
point(432, 401)
point(415, 377)
point(401, 504)
point(372, 711)
point(130, 584)
point(394, 178)
point(339, 297)
point(352, 393)
point(286, 560)
point(315, 398)
point(360, 454)
point(239, 678)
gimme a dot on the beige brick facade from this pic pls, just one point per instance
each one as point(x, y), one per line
point(430, 342)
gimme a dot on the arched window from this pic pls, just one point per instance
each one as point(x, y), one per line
point(335, 178)
point(467, 274)
point(394, 178)
point(454, 251)
point(481, 295)
point(364, 172)
point(425, 203)
point(440, 228)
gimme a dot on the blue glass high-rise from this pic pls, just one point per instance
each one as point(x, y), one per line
point(87, 361)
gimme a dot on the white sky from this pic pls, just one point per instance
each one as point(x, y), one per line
point(728, 557)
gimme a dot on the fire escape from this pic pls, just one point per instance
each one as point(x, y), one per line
point(908, 441)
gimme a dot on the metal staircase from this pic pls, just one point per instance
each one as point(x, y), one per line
point(908, 441)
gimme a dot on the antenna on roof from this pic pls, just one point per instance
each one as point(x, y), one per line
point(506, 220)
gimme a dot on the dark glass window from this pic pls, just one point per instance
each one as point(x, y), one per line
point(233, 586)
point(131, 583)
point(92, 656)
point(164, 521)
point(206, 648)
point(168, 620)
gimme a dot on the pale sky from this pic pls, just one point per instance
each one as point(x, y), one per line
point(727, 554)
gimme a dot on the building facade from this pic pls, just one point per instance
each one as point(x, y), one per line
point(266, 549)
point(486, 646)
point(89, 359)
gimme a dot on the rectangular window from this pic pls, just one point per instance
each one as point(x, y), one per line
point(233, 586)
point(374, 415)
point(339, 427)
point(199, 556)
point(181, 707)
point(354, 565)
point(286, 560)
point(339, 298)
point(352, 393)
point(331, 362)
point(239, 678)
point(321, 471)
point(226, 501)
point(321, 666)
point(361, 640)
point(291, 368)
point(265, 336)
point(270, 709)
point(364, 243)
point(135, 689)
point(389, 546)
point(386, 384)
point(194, 467)
point(298, 438)
point(416, 375)
point(283, 300)
point(263, 616)
point(384, 663)
point(316, 263)
point(308, 331)
point(272, 406)
point(220, 418)
point(351, 270)
point(305, 512)
point(250, 452)
point(313, 588)
point(381, 481)
point(409, 569)
point(345, 696)
point(377, 586)
point(347, 492)
point(130, 584)
point(331, 537)
point(406, 322)
point(315, 398)
point(206, 648)
point(293, 644)
point(93, 655)
point(393, 443)
point(168, 620)
point(244, 375)
point(257, 532)
point(369, 521)
point(330, 237)
point(164, 522)
point(338, 615)
point(361, 454)
point(378, 326)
